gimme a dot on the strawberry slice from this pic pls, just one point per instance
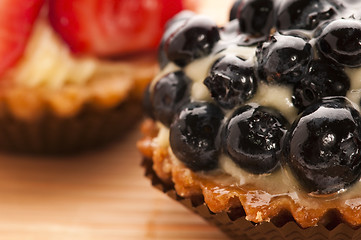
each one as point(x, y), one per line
point(16, 22)
point(112, 27)
point(169, 9)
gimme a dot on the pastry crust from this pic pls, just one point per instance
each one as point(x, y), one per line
point(259, 205)
point(30, 103)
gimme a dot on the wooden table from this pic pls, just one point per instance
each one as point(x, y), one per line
point(99, 195)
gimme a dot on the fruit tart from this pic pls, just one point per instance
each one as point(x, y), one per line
point(256, 125)
point(73, 72)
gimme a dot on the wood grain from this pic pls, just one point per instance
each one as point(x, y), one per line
point(99, 195)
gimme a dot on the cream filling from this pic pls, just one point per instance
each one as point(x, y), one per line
point(355, 76)
point(278, 183)
point(48, 62)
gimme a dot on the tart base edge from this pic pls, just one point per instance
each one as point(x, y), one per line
point(188, 185)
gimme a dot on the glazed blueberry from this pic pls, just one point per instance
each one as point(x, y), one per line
point(193, 136)
point(324, 146)
point(172, 26)
point(231, 81)
point(231, 35)
point(179, 19)
point(194, 39)
point(252, 138)
point(256, 17)
point(147, 103)
point(304, 14)
point(170, 93)
point(283, 59)
point(323, 79)
point(234, 9)
point(339, 42)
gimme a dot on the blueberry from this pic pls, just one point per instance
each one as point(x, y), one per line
point(252, 138)
point(323, 146)
point(283, 59)
point(323, 79)
point(231, 35)
point(194, 39)
point(194, 133)
point(147, 103)
point(170, 93)
point(172, 25)
point(339, 42)
point(234, 10)
point(305, 14)
point(231, 81)
point(256, 17)
point(178, 20)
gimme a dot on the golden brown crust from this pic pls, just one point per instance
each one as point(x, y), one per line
point(236, 226)
point(29, 103)
point(257, 204)
point(50, 134)
point(74, 117)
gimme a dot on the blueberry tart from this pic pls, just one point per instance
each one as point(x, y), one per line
point(256, 125)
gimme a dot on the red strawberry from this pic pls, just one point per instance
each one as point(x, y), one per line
point(111, 27)
point(16, 22)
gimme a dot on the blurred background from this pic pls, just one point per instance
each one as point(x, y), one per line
point(100, 194)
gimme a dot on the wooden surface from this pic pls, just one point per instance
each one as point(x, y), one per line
point(100, 195)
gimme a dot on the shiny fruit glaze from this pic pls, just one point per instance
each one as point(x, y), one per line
point(265, 78)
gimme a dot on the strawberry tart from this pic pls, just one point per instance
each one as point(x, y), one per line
point(72, 72)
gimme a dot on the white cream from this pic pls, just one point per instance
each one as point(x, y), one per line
point(278, 97)
point(48, 62)
point(355, 84)
point(200, 92)
point(162, 139)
